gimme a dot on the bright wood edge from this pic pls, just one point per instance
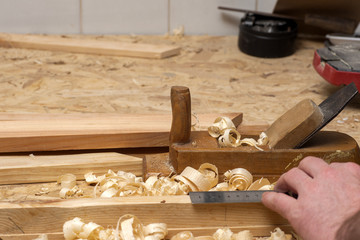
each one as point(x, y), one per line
point(32, 125)
point(33, 169)
point(175, 211)
point(257, 231)
point(294, 125)
point(94, 132)
point(88, 46)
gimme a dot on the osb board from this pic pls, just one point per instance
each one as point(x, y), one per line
point(220, 78)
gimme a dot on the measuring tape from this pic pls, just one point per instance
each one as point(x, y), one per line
point(226, 196)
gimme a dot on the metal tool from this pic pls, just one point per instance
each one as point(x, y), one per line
point(332, 106)
point(227, 196)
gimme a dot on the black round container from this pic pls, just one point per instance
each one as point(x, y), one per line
point(267, 37)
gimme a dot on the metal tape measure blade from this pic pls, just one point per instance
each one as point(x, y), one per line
point(226, 196)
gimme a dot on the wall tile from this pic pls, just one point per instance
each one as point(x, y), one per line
point(266, 5)
point(125, 16)
point(39, 16)
point(204, 17)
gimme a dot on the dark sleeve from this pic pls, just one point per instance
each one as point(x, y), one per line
point(350, 229)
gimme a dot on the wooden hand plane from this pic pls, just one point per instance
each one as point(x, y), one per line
point(192, 148)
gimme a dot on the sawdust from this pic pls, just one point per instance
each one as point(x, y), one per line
point(338, 154)
point(295, 161)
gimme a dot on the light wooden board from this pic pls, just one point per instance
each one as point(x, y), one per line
point(48, 216)
point(257, 231)
point(47, 168)
point(295, 125)
point(42, 42)
point(26, 133)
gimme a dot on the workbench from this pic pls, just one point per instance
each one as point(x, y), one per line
point(219, 76)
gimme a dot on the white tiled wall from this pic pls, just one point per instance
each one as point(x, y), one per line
point(124, 16)
point(204, 17)
point(39, 16)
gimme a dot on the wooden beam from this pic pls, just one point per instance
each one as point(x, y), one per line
point(26, 133)
point(88, 46)
point(48, 216)
point(257, 231)
point(32, 169)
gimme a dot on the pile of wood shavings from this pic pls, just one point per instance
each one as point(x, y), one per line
point(130, 227)
point(122, 184)
point(225, 131)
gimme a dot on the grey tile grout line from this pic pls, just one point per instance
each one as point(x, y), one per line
point(168, 15)
point(81, 17)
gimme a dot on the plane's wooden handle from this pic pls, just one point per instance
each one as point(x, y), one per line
point(181, 115)
point(181, 121)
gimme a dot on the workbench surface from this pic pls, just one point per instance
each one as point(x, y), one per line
point(220, 78)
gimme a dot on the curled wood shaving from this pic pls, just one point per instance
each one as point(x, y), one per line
point(122, 184)
point(70, 192)
point(278, 234)
point(224, 129)
point(258, 184)
point(227, 234)
point(128, 227)
point(206, 178)
point(200, 180)
point(219, 126)
point(41, 237)
point(238, 178)
point(68, 186)
point(67, 180)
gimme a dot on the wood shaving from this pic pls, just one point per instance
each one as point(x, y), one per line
point(68, 186)
point(129, 227)
point(224, 130)
point(41, 237)
point(206, 178)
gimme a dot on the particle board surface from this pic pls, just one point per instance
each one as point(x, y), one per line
point(220, 78)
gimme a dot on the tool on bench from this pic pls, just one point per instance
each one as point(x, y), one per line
point(339, 64)
point(230, 196)
point(293, 131)
point(227, 196)
point(334, 24)
point(192, 148)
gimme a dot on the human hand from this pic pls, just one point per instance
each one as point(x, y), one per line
point(328, 194)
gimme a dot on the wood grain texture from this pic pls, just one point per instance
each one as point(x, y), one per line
point(32, 217)
point(100, 47)
point(47, 168)
point(257, 231)
point(31, 132)
point(291, 128)
point(219, 76)
point(329, 145)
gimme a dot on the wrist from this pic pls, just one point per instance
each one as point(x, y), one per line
point(350, 230)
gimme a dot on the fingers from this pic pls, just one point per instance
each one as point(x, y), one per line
point(279, 202)
point(312, 166)
point(295, 180)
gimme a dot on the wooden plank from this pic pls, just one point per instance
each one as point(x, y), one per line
point(257, 231)
point(26, 133)
point(32, 169)
point(48, 216)
point(88, 46)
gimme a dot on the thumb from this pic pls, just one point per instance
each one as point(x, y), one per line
point(279, 202)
